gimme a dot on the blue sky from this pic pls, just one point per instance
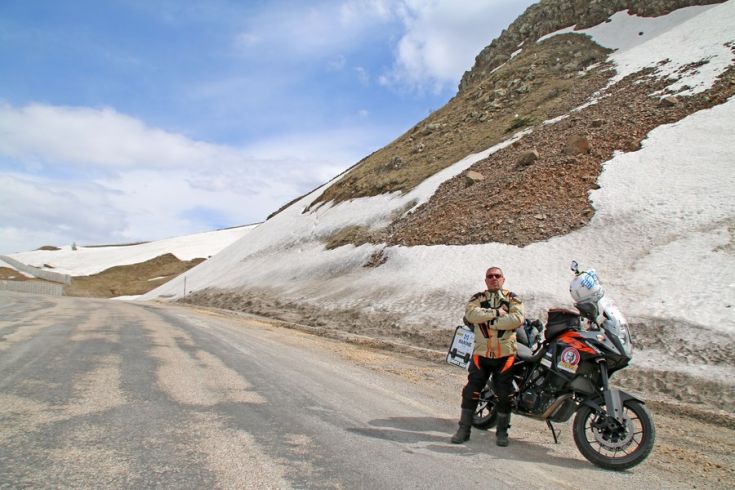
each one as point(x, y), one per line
point(128, 120)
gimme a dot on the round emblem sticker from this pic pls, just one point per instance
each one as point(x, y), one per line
point(569, 359)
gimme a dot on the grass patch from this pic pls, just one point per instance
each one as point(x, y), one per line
point(356, 235)
point(520, 122)
point(130, 280)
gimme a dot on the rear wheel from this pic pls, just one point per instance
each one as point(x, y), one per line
point(612, 445)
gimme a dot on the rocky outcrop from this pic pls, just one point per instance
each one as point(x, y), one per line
point(500, 95)
point(471, 177)
point(527, 158)
point(576, 145)
point(549, 16)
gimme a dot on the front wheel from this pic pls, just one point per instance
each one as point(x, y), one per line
point(611, 445)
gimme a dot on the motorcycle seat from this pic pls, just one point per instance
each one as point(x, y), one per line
point(525, 353)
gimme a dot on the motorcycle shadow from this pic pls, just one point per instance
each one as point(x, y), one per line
point(437, 431)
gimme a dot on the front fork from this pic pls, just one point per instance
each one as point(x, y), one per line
point(613, 398)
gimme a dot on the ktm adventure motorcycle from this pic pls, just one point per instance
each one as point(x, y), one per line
point(569, 372)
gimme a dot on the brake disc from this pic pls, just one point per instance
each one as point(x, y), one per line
point(613, 437)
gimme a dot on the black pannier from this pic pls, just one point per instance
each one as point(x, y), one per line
point(560, 320)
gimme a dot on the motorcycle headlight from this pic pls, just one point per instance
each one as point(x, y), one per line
point(626, 340)
point(619, 331)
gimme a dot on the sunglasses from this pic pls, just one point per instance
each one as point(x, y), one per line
point(494, 276)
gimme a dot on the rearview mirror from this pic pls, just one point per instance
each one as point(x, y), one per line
point(575, 267)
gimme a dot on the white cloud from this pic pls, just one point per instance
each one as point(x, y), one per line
point(334, 148)
point(135, 163)
point(102, 137)
point(316, 29)
point(434, 41)
point(357, 11)
point(246, 40)
point(156, 203)
point(146, 179)
point(37, 211)
point(304, 29)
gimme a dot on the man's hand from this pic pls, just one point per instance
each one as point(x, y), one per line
point(501, 312)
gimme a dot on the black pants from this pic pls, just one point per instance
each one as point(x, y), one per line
point(480, 370)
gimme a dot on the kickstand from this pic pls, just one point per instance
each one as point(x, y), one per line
point(553, 432)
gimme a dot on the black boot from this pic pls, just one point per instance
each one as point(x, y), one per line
point(501, 433)
point(465, 425)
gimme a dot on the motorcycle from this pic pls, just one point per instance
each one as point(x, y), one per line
point(568, 373)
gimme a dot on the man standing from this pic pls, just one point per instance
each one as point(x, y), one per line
point(495, 314)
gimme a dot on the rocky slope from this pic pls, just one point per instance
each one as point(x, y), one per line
point(501, 93)
point(539, 187)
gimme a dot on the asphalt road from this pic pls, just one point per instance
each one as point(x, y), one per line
point(107, 394)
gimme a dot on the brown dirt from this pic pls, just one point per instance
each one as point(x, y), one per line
point(378, 326)
point(128, 280)
point(517, 203)
point(9, 274)
point(693, 445)
point(355, 235)
point(124, 280)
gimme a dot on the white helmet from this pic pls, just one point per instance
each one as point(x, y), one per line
point(586, 287)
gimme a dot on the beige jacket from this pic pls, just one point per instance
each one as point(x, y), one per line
point(495, 335)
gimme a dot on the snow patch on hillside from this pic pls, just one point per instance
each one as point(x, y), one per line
point(85, 261)
point(674, 44)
